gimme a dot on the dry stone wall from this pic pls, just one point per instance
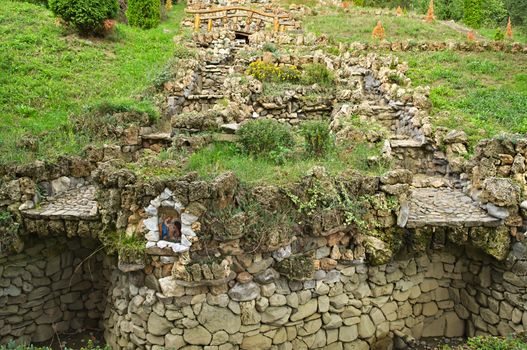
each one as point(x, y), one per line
point(348, 307)
point(53, 286)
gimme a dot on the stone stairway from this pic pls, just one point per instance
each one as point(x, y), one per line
point(440, 207)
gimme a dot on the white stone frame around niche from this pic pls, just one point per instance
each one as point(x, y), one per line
point(166, 200)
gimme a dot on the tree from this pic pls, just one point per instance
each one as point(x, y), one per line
point(518, 11)
point(473, 13)
point(144, 13)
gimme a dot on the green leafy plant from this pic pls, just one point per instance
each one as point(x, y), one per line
point(88, 16)
point(318, 140)
point(145, 14)
point(266, 138)
point(270, 47)
point(317, 73)
point(499, 35)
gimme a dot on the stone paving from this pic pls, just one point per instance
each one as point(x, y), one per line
point(78, 203)
point(446, 207)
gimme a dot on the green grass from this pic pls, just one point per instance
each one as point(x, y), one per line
point(518, 35)
point(221, 157)
point(49, 74)
point(356, 25)
point(483, 94)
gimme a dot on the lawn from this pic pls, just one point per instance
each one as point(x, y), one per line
point(49, 73)
point(357, 25)
point(483, 94)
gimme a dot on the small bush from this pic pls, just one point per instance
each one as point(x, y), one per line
point(144, 13)
point(318, 140)
point(88, 16)
point(317, 73)
point(266, 138)
point(270, 47)
point(272, 72)
point(499, 35)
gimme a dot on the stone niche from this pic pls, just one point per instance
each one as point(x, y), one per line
point(55, 285)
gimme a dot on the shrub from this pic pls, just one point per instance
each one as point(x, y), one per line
point(473, 13)
point(88, 16)
point(144, 13)
point(271, 72)
point(318, 140)
point(270, 47)
point(317, 73)
point(499, 35)
point(266, 138)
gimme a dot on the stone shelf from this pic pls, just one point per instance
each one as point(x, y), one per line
point(446, 207)
point(76, 204)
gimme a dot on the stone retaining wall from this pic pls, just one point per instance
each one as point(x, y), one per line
point(53, 287)
point(349, 307)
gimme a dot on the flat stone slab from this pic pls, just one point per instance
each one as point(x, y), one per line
point(76, 204)
point(446, 207)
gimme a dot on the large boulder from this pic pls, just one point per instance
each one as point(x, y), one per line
point(502, 192)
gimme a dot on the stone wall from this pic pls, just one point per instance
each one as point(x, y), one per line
point(441, 293)
point(55, 285)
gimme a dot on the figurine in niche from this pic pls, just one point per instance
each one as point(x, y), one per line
point(169, 225)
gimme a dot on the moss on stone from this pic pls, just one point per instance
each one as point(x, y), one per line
point(299, 267)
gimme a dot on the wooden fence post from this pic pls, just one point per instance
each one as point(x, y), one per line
point(197, 22)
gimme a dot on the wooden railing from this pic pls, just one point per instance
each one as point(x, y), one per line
point(279, 21)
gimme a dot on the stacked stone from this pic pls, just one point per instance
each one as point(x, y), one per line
point(495, 299)
point(310, 39)
point(347, 307)
point(50, 289)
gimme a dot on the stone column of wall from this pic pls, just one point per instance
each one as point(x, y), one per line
point(495, 300)
point(44, 290)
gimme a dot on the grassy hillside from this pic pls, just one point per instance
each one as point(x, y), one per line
point(481, 93)
point(357, 25)
point(48, 73)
